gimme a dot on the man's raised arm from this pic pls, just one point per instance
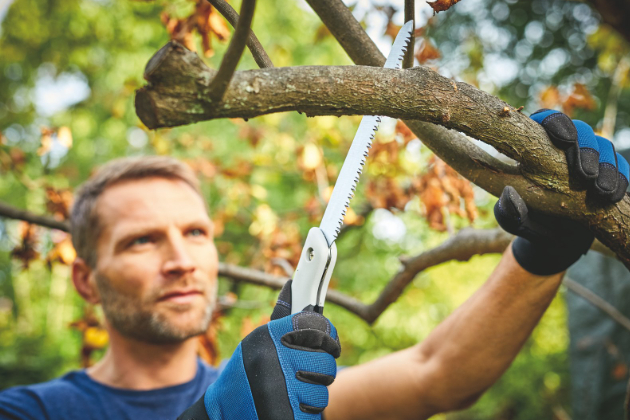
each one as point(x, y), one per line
point(474, 346)
point(458, 361)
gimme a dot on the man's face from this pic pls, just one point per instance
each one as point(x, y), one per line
point(156, 268)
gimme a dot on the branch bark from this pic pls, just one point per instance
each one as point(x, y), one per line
point(418, 93)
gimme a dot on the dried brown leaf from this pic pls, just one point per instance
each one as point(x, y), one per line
point(392, 29)
point(580, 98)
point(440, 188)
point(427, 51)
point(550, 97)
point(441, 5)
point(26, 251)
point(58, 202)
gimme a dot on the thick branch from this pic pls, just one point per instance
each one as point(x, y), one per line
point(418, 93)
point(232, 56)
point(257, 50)
point(451, 146)
point(348, 32)
point(178, 95)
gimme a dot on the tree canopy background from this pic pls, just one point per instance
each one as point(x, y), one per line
point(68, 72)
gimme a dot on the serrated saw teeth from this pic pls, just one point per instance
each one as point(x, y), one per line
point(357, 156)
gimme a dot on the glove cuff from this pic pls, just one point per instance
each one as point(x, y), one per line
point(544, 261)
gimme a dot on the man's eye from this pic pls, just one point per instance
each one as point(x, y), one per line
point(197, 232)
point(141, 240)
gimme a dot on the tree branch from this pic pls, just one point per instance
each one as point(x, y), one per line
point(257, 50)
point(460, 247)
point(418, 93)
point(610, 228)
point(232, 56)
point(177, 94)
point(50, 222)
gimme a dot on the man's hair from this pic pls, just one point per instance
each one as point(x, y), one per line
point(85, 225)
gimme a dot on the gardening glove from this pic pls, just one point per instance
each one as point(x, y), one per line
point(546, 244)
point(592, 159)
point(280, 371)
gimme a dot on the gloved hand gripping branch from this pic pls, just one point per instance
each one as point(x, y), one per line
point(278, 372)
point(546, 244)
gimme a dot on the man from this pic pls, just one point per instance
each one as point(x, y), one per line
point(146, 254)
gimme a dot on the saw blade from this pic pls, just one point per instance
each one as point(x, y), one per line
point(359, 149)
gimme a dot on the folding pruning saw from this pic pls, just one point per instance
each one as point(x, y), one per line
point(319, 254)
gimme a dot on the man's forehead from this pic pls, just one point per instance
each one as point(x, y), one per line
point(145, 200)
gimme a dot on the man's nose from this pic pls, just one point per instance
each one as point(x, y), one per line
point(177, 257)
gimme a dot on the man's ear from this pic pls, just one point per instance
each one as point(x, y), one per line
point(84, 281)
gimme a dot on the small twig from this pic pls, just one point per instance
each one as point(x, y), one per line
point(410, 12)
point(13, 213)
point(232, 56)
point(258, 52)
point(598, 302)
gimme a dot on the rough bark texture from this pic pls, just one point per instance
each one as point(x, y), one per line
point(417, 93)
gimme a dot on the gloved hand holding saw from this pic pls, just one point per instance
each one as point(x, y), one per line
point(546, 244)
point(280, 371)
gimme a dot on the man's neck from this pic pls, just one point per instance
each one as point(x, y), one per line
point(137, 365)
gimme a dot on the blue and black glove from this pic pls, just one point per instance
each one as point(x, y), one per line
point(280, 371)
point(547, 244)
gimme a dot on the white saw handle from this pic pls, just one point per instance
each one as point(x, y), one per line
point(312, 275)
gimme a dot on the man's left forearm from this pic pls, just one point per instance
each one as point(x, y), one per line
point(476, 344)
point(458, 361)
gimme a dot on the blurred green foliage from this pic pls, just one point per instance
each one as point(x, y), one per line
point(77, 63)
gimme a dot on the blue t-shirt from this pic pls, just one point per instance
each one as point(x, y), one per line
point(75, 396)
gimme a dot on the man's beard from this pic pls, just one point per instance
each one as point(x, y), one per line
point(138, 318)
